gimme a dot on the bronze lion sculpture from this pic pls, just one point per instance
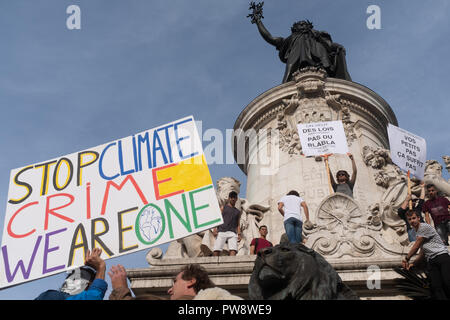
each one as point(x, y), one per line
point(294, 272)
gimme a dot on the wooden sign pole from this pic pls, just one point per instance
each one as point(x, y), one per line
point(328, 171)
point(409, 190)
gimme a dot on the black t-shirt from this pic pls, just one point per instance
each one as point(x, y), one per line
point(230, 219)
point(418, 209)
point(345, 188)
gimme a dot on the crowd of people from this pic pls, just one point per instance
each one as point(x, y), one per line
point(192, 281)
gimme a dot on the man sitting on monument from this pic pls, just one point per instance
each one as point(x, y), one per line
point(261, 242)
point(417, 205)
point(344, 184)
point(230, 231)
point(438, 208)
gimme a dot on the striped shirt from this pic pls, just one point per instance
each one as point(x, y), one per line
point(433, 244)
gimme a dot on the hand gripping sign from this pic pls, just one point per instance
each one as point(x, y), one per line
point(123, 196)
point(323, 139)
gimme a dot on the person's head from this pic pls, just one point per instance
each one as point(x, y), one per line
point(78, 280)
point(232, 197)
point(413, 218)
point(263, 231)
point(342, 176)
point(432, 192)
point(302, 26)
point(293, 193)
point(189, 281)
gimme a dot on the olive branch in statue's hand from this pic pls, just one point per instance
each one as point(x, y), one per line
point(257, 13)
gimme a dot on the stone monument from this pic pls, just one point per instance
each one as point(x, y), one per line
point(362, 237)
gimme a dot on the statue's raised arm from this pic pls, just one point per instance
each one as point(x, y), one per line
point(304, 47)
point(257, 16)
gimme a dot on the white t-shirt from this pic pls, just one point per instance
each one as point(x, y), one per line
point(292, 208)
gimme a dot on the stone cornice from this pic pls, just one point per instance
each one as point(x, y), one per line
point(256, 112)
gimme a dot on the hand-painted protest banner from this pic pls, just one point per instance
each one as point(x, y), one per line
point(408, 151)
point(123, 196)
point(320, 138)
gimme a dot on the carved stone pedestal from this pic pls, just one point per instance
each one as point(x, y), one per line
point(267, 147)
point(362, 238)
point(233, 274)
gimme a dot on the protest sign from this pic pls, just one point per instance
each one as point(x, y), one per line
point(322, 138)
point(127, 195)
point(408, 151)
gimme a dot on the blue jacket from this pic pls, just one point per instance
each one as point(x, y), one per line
point(96, 291)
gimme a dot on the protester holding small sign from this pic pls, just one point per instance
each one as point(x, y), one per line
point(344, 184)
point(438, 209)
point(408, 150)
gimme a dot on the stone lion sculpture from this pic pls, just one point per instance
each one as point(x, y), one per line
point(295, 272)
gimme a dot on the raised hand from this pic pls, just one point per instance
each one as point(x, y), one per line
point(118, 276)
point(94, 260)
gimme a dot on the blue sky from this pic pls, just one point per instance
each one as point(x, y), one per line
point(138, 64)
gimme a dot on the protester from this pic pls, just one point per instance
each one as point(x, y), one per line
point(85, 283)
point(189, 281)
point(438, 208)
point(290, 206)
point(192, 282)
point(417, 207)
point(344, 184)
point(230, 231)
point(436, 253)
point(121, 291)
point(261, 242)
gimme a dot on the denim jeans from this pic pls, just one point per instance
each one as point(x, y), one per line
point(443, 229)
point(293, 229)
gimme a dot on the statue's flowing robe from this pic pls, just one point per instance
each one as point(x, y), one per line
point(313, 48)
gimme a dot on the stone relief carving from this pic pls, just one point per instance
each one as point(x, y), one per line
point(311, 103)
point(433, 175)
point(447, 163)
point(342, 228)
point(390, 177)
point(289, 140)
point(349, 126)
point(201, 244)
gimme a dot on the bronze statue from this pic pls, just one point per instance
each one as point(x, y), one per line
point(291, 271)
point(304, 47)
